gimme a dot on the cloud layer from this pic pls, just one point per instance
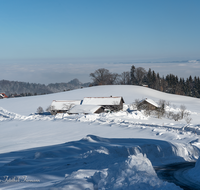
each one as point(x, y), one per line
point(46, 71)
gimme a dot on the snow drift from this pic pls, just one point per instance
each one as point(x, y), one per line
point(134, 173)
point(93, 162)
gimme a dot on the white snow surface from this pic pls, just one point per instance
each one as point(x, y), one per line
point(94, 151)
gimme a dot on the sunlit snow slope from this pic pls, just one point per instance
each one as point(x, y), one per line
point(28, 105)
point(95, 151)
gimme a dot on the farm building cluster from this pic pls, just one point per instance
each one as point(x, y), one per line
point(91, 105)
point(88, 105)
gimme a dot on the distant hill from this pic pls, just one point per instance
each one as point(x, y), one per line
point(24, 88)
point(73, 84)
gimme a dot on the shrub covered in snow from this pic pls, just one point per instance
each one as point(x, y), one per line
point(40, 110)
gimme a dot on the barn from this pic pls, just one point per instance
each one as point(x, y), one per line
point(3, 95)
point(86, 109)
point(112, 103)
point(62, 106)
point(147, 104)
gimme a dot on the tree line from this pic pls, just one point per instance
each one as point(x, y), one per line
point(19, 89)
point(139, 76)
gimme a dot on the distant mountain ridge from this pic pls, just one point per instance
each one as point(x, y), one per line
point(15, 87)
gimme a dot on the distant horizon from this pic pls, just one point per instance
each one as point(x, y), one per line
point(54, 71)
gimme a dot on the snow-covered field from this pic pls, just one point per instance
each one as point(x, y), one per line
point(95, 151)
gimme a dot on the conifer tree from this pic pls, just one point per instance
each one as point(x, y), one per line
point(149, 76)
point(132, 73)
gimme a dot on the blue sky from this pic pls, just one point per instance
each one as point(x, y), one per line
point(94, 32)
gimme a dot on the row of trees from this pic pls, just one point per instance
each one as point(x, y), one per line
point(139, 76)
point(105, 77)
point(23, 94)
point(18, 89)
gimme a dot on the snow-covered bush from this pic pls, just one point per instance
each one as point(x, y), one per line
point(136, 103)
point(169, 114)
point(176, 116)
point(40, 110)
point(178, 113)
point(182, 111)
point(187, 117)
point(48, 109)
point(162, 105)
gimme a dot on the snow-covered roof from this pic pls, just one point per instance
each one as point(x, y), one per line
point(64, 104)
point(150, 101)
point(3, 95)
point(84, 109)
point(102, 100)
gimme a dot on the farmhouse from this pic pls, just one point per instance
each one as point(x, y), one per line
point(147, 104)
point(86, 109)
point(62, 106)
point(3, 95)
point(107, 103)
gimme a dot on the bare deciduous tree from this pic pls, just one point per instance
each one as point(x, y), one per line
point(104, 77)
point(40, 110)
point(48, 109)
point(174, 106)
point(168, 103)
point(136, 103)
point(100, 76)
point(187, 117)
point(158, 113)
point(125, 78)
point(68, 106)
point(52, 110)
point(113, 78)
point(169, 114)
point(147, 109)
point(176, 116)
point(140, 72)
point(182, 111)
point(162, 105)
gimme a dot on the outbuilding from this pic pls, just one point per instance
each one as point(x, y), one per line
point(3, 95)
point(147, 104)
point(112, 103)
point(62, 106)
point(86, 109)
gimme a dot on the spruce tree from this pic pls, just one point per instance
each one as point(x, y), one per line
point(132, 73)
point(149, 77)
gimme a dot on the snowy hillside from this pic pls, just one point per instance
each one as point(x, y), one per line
point(27, 105)
point(95, 151)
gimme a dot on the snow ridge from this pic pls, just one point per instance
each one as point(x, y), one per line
point(134, 173)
